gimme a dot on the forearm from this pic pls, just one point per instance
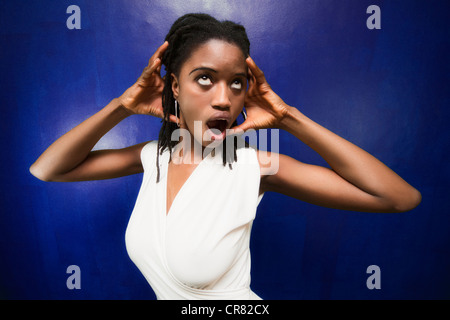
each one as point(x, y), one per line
point(351, 162)
point(73, 147)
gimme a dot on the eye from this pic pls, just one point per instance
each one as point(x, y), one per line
point(204, 80)
point(237, 84)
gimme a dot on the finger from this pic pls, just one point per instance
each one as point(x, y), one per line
point(249, 73)
point(149, 70)
point(158, 53)
point(160, 114)
point(251, 80)
point(255, 70)
point(240, 129)
point(174, 119)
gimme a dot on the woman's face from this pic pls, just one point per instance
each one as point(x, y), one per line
point(210, 88)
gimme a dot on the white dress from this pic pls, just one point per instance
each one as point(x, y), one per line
point(200, 249)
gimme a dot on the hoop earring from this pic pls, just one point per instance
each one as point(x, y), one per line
point(176, 112)
point(244, 114)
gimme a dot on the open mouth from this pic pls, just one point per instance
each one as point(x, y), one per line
point(217, 128)
point(219, 124)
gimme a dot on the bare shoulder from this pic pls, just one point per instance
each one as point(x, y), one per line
point(280, 172)
point(269, 164)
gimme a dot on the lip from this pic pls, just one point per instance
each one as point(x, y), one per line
point(222, 115)
point(218, 116)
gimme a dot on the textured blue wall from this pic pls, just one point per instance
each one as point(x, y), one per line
point(386, 90)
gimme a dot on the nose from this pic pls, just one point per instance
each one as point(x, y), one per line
point(220, 99)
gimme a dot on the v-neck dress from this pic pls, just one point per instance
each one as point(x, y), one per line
point(200, 249)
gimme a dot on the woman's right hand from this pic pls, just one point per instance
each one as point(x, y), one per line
point(145, 96)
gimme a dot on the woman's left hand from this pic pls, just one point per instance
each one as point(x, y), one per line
point(265, 109)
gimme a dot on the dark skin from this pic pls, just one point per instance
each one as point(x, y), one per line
point(212, 81)
point(355, 180)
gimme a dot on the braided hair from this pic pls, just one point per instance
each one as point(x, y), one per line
point(187, 34)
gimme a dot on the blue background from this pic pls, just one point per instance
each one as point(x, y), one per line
point(386, 90)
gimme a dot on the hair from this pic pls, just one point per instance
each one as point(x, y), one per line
point(186, 35)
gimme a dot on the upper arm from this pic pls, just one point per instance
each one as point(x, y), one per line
point(106, 164)
point(317, 185)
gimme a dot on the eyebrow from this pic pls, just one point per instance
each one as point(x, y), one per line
point(215, 71)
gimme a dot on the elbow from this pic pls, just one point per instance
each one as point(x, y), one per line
point(408, 202)
point(36, 171)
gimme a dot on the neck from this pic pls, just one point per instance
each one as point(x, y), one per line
point(188, 151)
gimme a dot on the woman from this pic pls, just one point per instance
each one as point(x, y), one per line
point(189, 231)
